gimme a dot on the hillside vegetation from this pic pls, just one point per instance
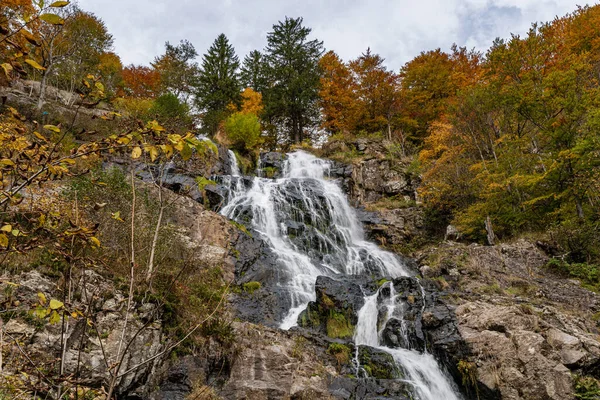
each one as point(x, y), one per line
point(501, 145)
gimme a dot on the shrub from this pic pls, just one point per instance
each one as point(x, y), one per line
point(243, 131)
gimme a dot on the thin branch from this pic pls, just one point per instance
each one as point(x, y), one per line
point(168, 349)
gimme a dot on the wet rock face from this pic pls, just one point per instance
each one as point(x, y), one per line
point(335, 311)
point(272, 163)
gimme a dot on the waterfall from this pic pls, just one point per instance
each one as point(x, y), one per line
point(235, 169)
point(421, 370)
point(309, 226)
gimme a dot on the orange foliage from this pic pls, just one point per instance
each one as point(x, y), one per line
point(338, 98)
point(251, 102)
point(140, 81)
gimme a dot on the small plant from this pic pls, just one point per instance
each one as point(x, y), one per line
point(203, 182)
point(251, 287)
point(299, 345)
point(341, 352)
point(586, 388)
point(468, 372)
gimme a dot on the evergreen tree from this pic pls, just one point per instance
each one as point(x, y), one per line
point(218, 83)
point(252, 73)
point(291, 102)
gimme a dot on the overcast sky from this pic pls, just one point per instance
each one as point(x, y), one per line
point(398, 30)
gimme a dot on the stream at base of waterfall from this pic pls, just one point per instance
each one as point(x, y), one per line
point(309, 225)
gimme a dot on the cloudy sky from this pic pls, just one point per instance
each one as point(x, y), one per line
point(398, 30)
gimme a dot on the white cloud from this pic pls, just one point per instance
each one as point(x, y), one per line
point(398, 30)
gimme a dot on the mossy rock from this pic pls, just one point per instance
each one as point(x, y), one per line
point(251, 287)
point(338, 326)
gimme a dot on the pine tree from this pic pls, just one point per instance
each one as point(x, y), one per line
point(218, 83)
point(291, 102)
point(252, 73)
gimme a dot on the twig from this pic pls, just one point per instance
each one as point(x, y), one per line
point(183, 339)
point(130, 296)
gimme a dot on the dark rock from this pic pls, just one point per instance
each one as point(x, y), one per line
point(216, 196)
point(271, 164)
point(179, 379)
point(342, 296)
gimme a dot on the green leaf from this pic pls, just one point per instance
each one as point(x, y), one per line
point(34, 64)
point(58, 4)
point(117, 216)
point(52, 128)
point(52, 19)
point(186, 152)
point(54, 318)
point(56, 304)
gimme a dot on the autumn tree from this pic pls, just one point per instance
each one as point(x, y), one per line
point(77, 50)
point(338, 96)
point(377, 93)
point(291, 102)
point(110, 70)
point(140, 81)
point(218, 84)
point(177, 69)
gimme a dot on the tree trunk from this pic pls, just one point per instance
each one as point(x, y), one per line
point(579, 206)
point(43, 84)
point(490, 231)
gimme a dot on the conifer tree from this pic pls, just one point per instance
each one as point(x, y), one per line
point(218, 83)
point(291, 102)
point(252, 73)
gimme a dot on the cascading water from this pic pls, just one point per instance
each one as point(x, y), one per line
point(421, 370)
point(310, 227)
point(235, 169)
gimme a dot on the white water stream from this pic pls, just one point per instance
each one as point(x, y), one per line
point(331, 242)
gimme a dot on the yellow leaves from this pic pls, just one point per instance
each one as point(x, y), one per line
point(52, 128)
point(125, 140)
point(3, 240)
point(155, 126)
point(95, 242)
point(42, 298)
point(54, 318)
point(39, 136)
point(34, 64)
point(52, 19)
point(153, 151)
point(136, 152)
point(7, 69)
point(167, 149)
point(59, 4)
point(6, 228)
point(6, 162)
point(56, 304)
point(117, 216)
point(30, 38)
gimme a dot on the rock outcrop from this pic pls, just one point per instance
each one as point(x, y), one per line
point(528, 332)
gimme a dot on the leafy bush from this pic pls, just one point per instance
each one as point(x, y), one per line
point(172, 112)
point(589, 274)
point(243, 131)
